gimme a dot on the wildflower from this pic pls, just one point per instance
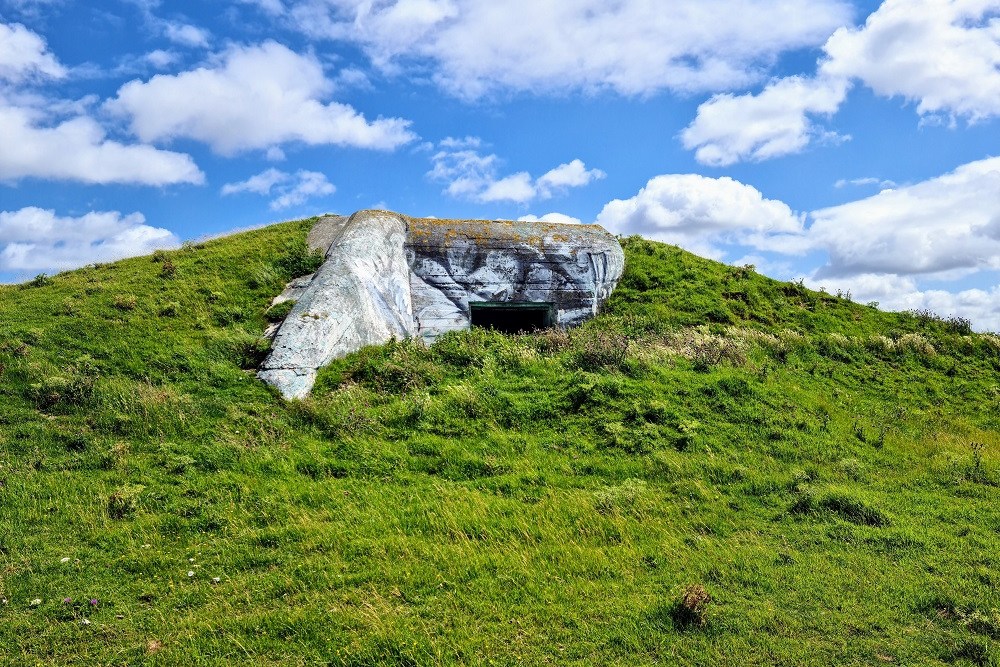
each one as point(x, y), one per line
point(64, 560)
point(93, 602)
point(216, 580)
point(190, 573)
point(36, 602)
point(67, 600)
point(84, 621)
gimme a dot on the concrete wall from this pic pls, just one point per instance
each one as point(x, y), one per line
point(390, 276)
point(360, 296)
point(453, 263)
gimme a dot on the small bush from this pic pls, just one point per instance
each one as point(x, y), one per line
point(125, 302)
point(250, 351)
point(848, 508)
point(168, 270)
point(124, 501)
point(691, 610)
point(623, 498)
point(170, 309)
point(41, 280)
point(74, 387)
point(917, 344)
point(596, 350)
point(297, 260)
point(279, 311)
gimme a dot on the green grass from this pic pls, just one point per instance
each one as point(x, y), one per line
point(826, 471)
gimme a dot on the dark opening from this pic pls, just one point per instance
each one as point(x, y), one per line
point(512, 317)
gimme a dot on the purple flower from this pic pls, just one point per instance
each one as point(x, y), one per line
point(67, 600)
point(93, 602)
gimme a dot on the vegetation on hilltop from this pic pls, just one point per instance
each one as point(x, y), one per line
point(720, 469)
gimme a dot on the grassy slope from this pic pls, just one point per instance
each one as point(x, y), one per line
point(522, 500)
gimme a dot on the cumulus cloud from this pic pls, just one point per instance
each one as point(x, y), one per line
point(632, 46)
point(162, 59)
point(943, 55)
point(471, 175)
point(34, 239)
point(291, 189)
point(57, 139)
point(23, 55)
point(254, 97)
point(945, 224)
point(700, 213)
point(902, 293)
point(777, 121)
point(185, 34)
point(79, 150)
point(864, 181)
point(900, 247)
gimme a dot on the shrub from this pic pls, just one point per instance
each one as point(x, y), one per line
point(41, 280)
point(297, 260)
point(125, 302)
point(623, 498)
point(168, 270)
point(74, 387)
point(596, 350)
point(250, 350)
point(124, 501)
point(691, 610)
point(170, 309)
point(917, 344)
point(848, 508)
point(279, 311)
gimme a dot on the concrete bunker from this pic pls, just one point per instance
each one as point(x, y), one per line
point(390, 276)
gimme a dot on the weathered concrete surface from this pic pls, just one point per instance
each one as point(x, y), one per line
point(325, 232)
point(453, 263)
point(360, 296)
point(390, 276)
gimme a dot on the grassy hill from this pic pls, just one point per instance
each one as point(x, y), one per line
point(721, 469)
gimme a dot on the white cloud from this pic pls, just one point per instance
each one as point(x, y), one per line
point(631, 46)
point(944, 55)
point(699, 213)
point(34, 239)
point(474, 176)
point(901, 293)
point(57, 139)
point(730, 129)
point(273, 7)
point(79, 150)
point(253, 97)
point(291, 189)
point(559, 218)
point(945, 224)
point(23, 55)
point(570, 175)
point(186, 34)
point(887, 247)
point(866, 180)
point(161, 59)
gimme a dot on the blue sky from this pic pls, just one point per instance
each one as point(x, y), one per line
point(850, 145)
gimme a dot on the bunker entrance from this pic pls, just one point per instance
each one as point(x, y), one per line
point(510, 317)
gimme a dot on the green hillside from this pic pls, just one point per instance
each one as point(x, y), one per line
point(721, 469)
